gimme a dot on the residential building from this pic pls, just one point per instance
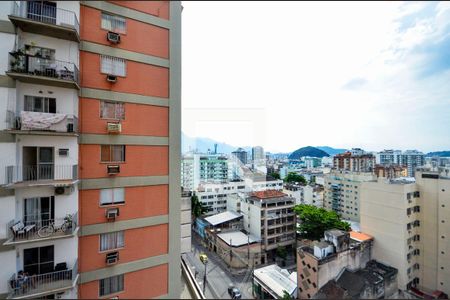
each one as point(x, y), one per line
point(130, 133)
point(269, 216)
point(258, 154)
point(186, 221)
point(241, 155)
point(388, 157)
point(261, 182)
point(408, 220)
point(319, 262)
point(412, 159)
point(198, 167)
point(391, 171)
point(305, 194)
point(214, 196)
point(271, 282)
point(355, 160)
point(39, 87)
point(342, 192)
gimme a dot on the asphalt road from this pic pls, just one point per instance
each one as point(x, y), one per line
point(218, 276)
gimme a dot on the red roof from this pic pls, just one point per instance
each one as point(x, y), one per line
point(268, 194)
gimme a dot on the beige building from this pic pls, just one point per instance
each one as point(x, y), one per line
point(341, 192)
point(409, 221)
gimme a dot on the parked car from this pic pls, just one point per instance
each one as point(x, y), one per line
point(234, 292)
point(204, 258)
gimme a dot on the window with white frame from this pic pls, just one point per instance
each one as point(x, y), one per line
point(114, 23)
point(112, 110)
point(111, 285)
point(112, 196)
point(111, 240)
point(113, 65)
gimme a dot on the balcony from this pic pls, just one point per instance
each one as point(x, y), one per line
point(45, 19)
point(28, 231)
point(42, 70)
point(43, 284)
point(27, 122)
point(39, 175)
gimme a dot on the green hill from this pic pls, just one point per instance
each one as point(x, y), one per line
point(308, 151)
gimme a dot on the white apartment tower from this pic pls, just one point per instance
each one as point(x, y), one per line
point(39, 85)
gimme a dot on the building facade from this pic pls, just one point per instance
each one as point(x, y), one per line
point(342, 193)
point(409, 223)
point(355, 160)
point(198, 168)
point(241, 155)
point(412, 159)
point(39, 88)
point(214, 196)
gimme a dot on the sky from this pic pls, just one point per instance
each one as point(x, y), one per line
point(284, 75)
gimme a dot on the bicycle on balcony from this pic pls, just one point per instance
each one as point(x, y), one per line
point(50, 229)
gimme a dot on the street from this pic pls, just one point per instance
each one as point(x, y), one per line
point(218, 276)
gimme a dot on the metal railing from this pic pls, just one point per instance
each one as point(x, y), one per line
point(20, 286)
point(20, 62)
point(14, 174)
point(42, 121)
point(40, 12)
point(37, 229)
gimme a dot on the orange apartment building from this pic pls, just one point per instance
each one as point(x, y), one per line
point(129, 152)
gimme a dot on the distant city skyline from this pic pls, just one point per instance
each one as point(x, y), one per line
point(376, 79)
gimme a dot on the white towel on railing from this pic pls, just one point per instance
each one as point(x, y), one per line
point(37, 120)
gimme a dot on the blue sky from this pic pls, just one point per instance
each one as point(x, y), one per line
point(285, 74)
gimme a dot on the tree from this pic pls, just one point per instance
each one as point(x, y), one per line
point(282, 252)
point(197, 208)
point(294, 177)
point(275, 175)
point(315, 221)
point(286, 296)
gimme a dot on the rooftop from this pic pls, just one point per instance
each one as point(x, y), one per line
point(276, 279)
point(223, 217)
point(267, 194)
point(237, 238)
point(359, 236)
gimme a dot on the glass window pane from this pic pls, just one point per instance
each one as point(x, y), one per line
point(119, 195)
point(105, 153)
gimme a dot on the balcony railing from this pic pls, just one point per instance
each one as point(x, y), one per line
point(39, 12)
point(42, 284)
point(39, 121)
point(22, 63)
point(42, 172)
point(20, 231)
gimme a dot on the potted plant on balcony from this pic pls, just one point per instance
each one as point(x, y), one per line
point(68, 221)
point(17, 62)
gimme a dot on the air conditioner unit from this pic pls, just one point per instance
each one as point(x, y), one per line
point(112, 213)
point(113, 169)
point(111, 78)
point(63, 152)
point(112, 258)
point(113, 37)
point(114, 127)
point(63, 190)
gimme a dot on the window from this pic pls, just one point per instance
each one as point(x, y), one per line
point(40, 104)
point(113, 66)
point(114, 23)
point(112, 196)
point(112, 240)
point(113, 153)
point(112, 110)
point(111, 285)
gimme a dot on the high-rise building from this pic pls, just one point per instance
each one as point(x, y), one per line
point(391, 171)
point(257, 153)
point(412, 159)
point(39, 88)
point(409, 222)
point(130, 136)
point(355, 160)
point(388, 157)
point(199, 168)
point(342, 192)
point(241, 155)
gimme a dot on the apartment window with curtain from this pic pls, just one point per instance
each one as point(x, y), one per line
point(114, 23)
point(112, 110)
point(113, 65)
point(111, 240)
point(112, 196)
point(111, 285)
point(112, 153)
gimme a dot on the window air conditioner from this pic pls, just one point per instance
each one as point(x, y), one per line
point(111, 78)
point(114, 127)
point(113, 37)
point(112, 258)
point(112, 213)
point(113, 169)
point(63, 190)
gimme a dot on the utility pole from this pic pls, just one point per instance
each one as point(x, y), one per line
point(204, 279)
point(248, 249)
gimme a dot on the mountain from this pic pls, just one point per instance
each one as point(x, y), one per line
point(330, 150)
point(439, 153)
point(203, 144)
point(307, 151)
